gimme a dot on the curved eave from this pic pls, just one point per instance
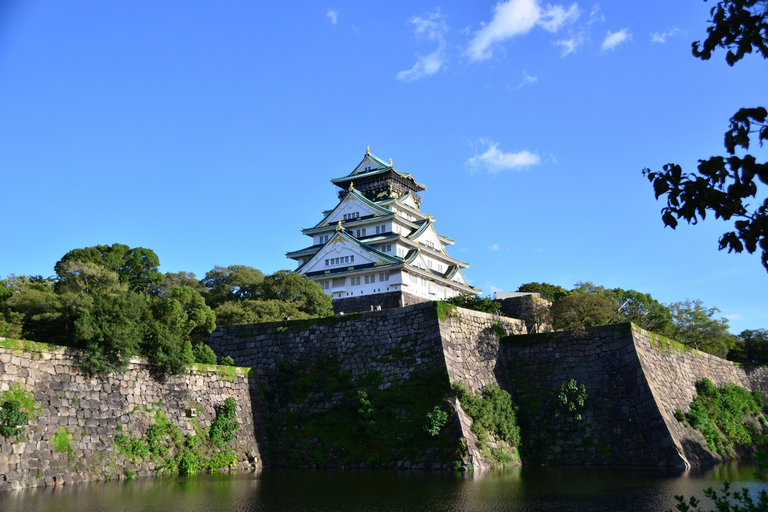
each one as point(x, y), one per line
point(463, 287)
point(428, 250)
point(352, 270)
point(311, 250)
point(340, 182)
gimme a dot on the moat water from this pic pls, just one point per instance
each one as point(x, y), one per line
point(522, 489)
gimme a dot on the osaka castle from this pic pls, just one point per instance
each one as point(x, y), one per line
point(376, 247)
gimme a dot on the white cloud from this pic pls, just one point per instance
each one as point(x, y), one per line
point(527, 80)
point(333, 15)
point(494, 247)
point(571, 44)
point(556, 17)
point(492, 288)
point(433, 27)
point(663, 36)
point(614, 39)
point(495, 161)
point(595, 16)
point(734, 316)
point(516, 17)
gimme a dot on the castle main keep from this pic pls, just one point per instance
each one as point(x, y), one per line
point(376, 247)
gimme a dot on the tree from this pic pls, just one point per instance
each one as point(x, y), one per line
point(232, 283)
point(551, 292)
point(256, 311)
point(694, 325)
point(580, 311)
point(171, 279)
point(751, 346)
point(640, 309)
point(722, 185)
point(298, 290)
point(137, 266)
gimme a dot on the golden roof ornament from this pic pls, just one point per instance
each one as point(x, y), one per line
point(390, 163)
point(368, 150)
point(351, 186)
point(338, 227)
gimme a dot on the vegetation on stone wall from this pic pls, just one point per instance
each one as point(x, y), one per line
point(571, 400)
point(475, 303)
point(494, 421)
point(321, 415)
point(17, 406)
point(727, 417)
point(113, 303)
point(171, 452)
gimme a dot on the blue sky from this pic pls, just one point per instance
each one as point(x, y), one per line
point(209, 132)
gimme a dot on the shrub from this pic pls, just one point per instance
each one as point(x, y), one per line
point(61, 440)
point(227, 361)
point(223, 427)
point(203, 354)
point(436, 420)
point(12, 418)
point(571, 399)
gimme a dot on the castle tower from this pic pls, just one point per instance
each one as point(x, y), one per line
point(376, 247)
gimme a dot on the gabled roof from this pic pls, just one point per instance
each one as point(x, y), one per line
point(349, 238)
point(354, 194)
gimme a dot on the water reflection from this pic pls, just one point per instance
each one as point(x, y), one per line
point(521, 489)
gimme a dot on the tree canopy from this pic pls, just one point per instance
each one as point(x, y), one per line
point(725, 185)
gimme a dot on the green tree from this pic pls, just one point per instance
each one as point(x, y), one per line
point(232, 283)
point(137, 266)
point(580, 311)
point(694, 325)
point(256, 311)
point(178, 320)
point(171, 279)
point(475, 302)
point(640, 309)
point(724, 185)
point(293, 288)
point(551, 292)
point(751, 346)
point(11, 322)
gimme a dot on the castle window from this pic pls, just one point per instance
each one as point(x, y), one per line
point(384, 277)
point(370, 279)
point(354, 281)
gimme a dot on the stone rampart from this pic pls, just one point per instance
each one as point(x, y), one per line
point(634, 381)
point(88, 414)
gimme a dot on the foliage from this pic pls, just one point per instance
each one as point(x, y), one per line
point(751, 346)
point(723, 185)
point(203, 354)
point(302, 292)
point(223, 427)
point(164, 444)
point(436, 420)
point(725, 501)
point(137, 267)
point(249, 311)
point(443, 310)
point(551, 292)
point(227, 361)
point(640, 308)
point(181, 279)
point(580, 311)
point(17, 393)
point(231, 284)
point(61, 440)
point(571, 400)
point(723, 416)
point(474, 302)
point(492, 412)
point(12, 418)
point(694, 325)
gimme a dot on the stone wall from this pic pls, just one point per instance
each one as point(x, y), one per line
point(634, 382)
point(93, 410)
point(387, 300)
point(671, 374)
point(359, 342)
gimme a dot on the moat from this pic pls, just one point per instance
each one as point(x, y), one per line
point(530, 488)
